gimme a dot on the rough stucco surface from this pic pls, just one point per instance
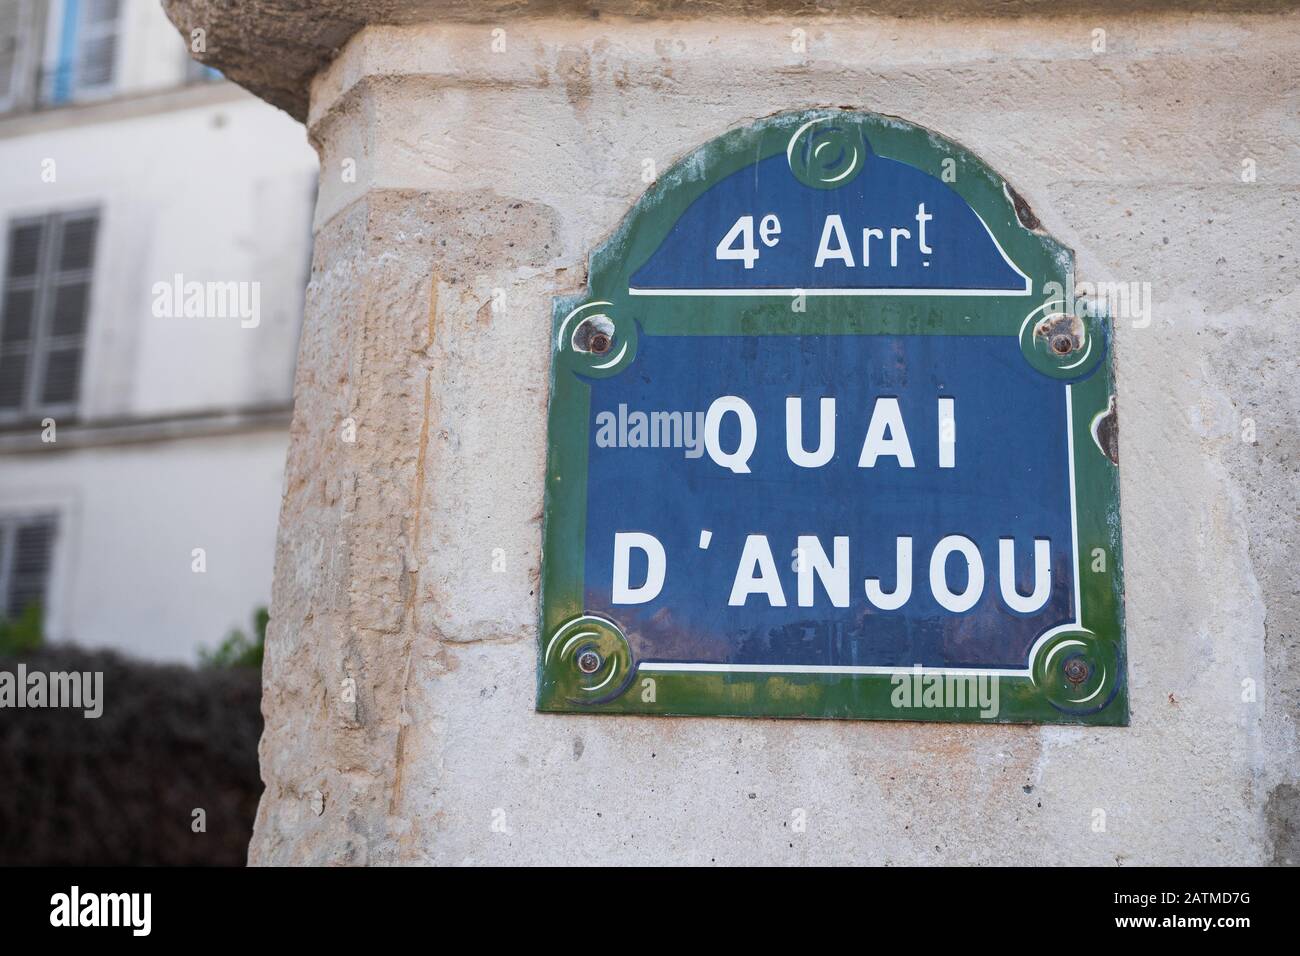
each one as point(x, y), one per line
point(478, 171)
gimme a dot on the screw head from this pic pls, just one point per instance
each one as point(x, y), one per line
point(1062, 344)
point(589, 662)
point(1076, 670)
point(600, 343)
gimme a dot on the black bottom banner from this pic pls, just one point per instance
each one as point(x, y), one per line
point(302, 906)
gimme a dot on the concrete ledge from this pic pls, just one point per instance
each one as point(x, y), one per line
point(275, 47)
point(130, 431)
point(149, 103)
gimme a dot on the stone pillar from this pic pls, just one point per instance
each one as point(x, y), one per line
point(469, 164)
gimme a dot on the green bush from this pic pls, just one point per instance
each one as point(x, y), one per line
point(238, 649)
point(22, 633)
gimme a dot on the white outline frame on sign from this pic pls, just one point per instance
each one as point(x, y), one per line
point(1028, 671)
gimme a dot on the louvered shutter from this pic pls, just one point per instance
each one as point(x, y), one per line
point(18, 318)
point(97, 49)
point(68, 301)
point(12, 29)
point(44, 311)
point(31, 546)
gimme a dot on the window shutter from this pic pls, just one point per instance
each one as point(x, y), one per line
point(98, 48)
point(13, 381)
point(44, 312)
point(25, 249)
point(62, 376)
point(32, 544)
point(78, 243)
point(11, 38)
point(18, 312)
point(99, 12)
point(69, 292)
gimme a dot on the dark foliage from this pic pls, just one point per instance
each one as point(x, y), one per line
point(238, 649)
point(121, 789)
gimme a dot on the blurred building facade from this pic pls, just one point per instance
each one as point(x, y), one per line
point(155, 241)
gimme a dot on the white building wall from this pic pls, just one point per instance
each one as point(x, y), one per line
point(148, 38)
point(205, 182)
point(218, 193)
point(130, 517)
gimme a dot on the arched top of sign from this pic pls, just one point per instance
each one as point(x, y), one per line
point(829, 203)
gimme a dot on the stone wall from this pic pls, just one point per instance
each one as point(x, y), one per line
point(399, 683)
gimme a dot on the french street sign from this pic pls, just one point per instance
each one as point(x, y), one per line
point(829, 436)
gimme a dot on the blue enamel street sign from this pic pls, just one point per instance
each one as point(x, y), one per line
point(830, 437)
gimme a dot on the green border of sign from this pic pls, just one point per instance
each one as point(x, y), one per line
point(1076, 675)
